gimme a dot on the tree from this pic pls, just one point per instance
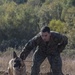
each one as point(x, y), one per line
point(17, 22)
point(44, 16)
point(57, 25)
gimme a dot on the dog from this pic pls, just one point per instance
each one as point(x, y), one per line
point(16, 66)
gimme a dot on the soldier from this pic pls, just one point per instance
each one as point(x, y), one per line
point(48, 44)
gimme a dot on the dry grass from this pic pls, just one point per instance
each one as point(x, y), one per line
point(68, 64)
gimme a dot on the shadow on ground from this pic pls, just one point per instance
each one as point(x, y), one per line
point(6, 73)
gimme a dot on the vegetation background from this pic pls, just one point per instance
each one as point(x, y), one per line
point(20, 20)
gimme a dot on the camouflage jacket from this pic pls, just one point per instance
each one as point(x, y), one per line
point(56, 43)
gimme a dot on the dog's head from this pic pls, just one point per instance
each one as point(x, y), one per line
point(18, 62)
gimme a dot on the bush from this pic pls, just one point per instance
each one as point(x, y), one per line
point(57, 25)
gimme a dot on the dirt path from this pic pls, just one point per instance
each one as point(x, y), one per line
point(68, 66)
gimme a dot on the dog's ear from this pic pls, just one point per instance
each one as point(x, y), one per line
point(22, 56)
point(14, 54)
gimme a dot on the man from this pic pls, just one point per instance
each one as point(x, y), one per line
point(48, 44)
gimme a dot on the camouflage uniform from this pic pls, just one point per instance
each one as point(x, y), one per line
point(51, 50)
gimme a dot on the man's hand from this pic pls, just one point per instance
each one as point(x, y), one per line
point(61, 48)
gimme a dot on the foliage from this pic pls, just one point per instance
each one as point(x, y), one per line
point(57, 25)
point(20, 20)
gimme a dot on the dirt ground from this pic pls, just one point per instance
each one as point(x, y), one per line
point(45, 67)
point(68, 67)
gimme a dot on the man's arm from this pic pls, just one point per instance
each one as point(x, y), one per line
point(28, 47)
point(63, 41)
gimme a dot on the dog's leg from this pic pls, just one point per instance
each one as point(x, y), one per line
point(10, 72)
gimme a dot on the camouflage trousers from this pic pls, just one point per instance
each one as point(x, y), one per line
point(54, 60)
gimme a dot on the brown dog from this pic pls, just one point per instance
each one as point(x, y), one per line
point(16, 66)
